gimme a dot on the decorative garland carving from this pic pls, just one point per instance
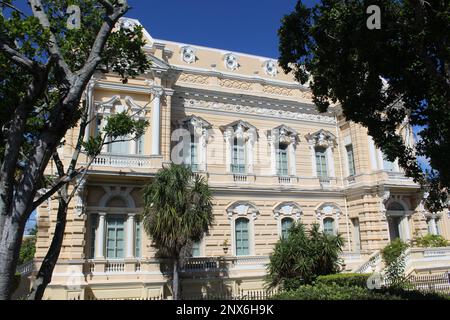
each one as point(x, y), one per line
point(200, 104)
point(235, 84)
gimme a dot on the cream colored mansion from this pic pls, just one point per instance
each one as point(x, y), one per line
point(269, 158)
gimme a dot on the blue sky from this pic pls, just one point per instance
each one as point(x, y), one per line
point(248, 26)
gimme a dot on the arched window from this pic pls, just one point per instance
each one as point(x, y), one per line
point(328, 226)
point(286, 224)
point(242, 237)
point(321, 162)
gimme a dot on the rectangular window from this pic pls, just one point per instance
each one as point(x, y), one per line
point(351, 160)
point(194, 156)
point(242, 237)
point(140, 145)
point(238, 158)
point(115, 237)
point(328, 226)
point(282, 161)
point(196, 249)
point(356, 234)
point(321, 163)
point(137, 241)
point(120, 145)
point(93, 229)
point(388, 165)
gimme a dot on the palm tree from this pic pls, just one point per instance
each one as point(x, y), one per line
point(178, 212)
point(302, 256)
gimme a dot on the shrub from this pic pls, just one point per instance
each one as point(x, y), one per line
point(302, 256)
point(345, 279)
point(16, 282)
point(431, 240)
point(27, 250)
point(333, 291)
point(393, 256)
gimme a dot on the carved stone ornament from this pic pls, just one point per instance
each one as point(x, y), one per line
point(231, 61)
point(188, 54)
point(270, 68)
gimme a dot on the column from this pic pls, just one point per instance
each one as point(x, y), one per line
point(273, 159)
point(156, 121)
point(100, 237)
point(228, 146)
point(250, 151)
point(202, 152)
point(130, 236)
point(330, 161)
point(292, 162)
point(372, 152)
point(433, 227)
point(313, 160)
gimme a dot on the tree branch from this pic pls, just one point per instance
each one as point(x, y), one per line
point(39, 13)
point(20, 58)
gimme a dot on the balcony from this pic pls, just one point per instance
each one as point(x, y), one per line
point(127, 162)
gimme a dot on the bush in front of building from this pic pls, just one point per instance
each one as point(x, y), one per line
point(345, 279)
point(394, 259)
point(334, 291)
point(302, 256)
point(431, 241)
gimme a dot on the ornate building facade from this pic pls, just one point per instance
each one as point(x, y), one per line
point(269, 158)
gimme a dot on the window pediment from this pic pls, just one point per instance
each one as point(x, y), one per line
point(243, 209)
point(321, 138)
point(196, 124)
point(240, 129)
point(283, 134)
point(288, 209)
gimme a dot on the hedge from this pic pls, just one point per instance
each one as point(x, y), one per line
point(345, 279)
point(334, 291)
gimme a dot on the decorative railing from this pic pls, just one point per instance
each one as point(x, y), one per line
point(284, 180)
point(239, 177)
point(114, 267)
point(123, 161)
point(373, 262)
point(26, 268)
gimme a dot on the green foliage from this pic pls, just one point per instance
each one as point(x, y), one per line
point(431, 240)
point(16, 282)
point(387, 80)
point(345, 279)
point(394, 259)
point(333, 291)
point(178, 210)
point(27, 250)
point(303, 256)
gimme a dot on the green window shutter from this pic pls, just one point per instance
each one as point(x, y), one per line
point(351, 160)
point(137, 241)
point(282, 162)
point(196, 249)
point(321, 163)
point(286, 225)
point(93, 228)
point(328, 226)
point(242, 237)
point(115, 238)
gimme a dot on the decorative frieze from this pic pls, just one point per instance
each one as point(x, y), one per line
point(261, 111)
point(193, 78)
point(235, 84)
point(277, 90)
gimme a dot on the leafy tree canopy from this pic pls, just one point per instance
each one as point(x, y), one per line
point(386, 79)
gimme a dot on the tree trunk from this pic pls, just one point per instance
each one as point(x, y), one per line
point(44, 275)
point(176, 280)
point(10, 243)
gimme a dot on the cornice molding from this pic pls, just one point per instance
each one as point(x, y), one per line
point(198, 103)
